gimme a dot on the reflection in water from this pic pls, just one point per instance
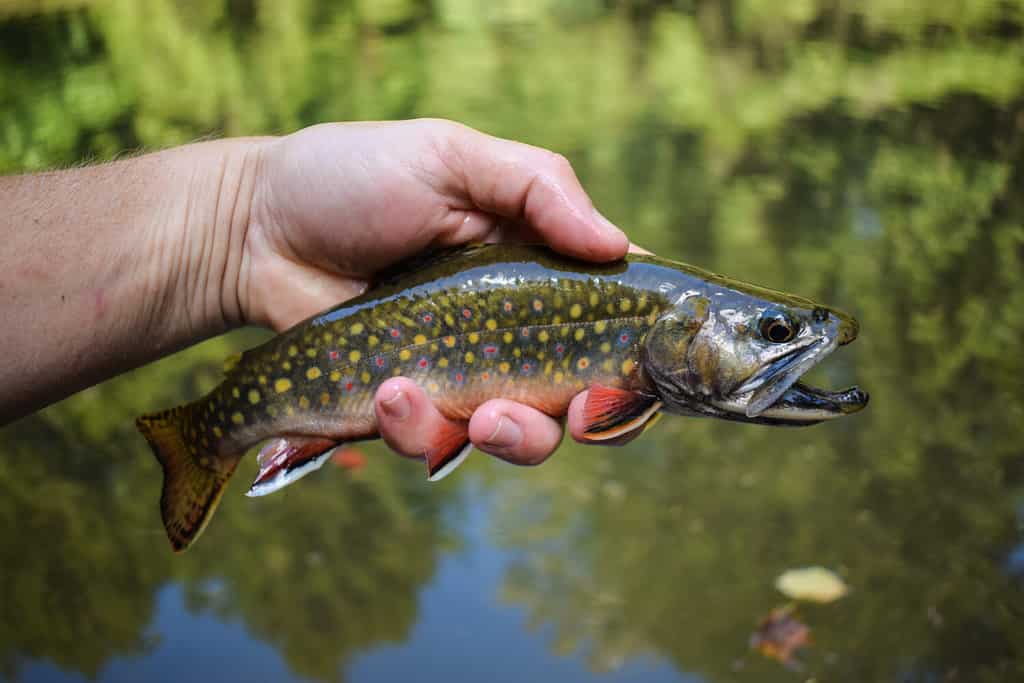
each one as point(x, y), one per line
point(868, 157)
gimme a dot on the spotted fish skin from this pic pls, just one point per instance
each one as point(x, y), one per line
point(469, 325)
point(496, 322)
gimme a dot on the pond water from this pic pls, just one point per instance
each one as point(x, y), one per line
point(868, 156)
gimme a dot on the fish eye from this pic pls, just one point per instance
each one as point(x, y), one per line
point(777, 327)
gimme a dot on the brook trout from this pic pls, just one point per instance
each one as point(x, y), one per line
point(644, 335)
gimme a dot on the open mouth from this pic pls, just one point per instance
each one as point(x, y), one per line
point(774, 392)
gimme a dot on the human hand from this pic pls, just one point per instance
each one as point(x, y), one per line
point(333, 204)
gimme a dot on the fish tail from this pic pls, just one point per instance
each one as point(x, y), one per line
point(194, 477)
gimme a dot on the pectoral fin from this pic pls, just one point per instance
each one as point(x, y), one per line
point(610, 414)
point(288, 459)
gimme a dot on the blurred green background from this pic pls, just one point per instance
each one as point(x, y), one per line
point(868, 154)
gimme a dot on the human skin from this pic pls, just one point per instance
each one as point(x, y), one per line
point(106, 268)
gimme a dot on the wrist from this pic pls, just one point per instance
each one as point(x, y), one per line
point(208, 233)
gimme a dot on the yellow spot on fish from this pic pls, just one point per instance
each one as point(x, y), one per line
point(641, 303)
point(357, 328)
point(237, 418)
point(474, 338)
point(335, 376)
point(470, 357)
point(625, 305)
point(419, 339)
point(449, 320)
point(286, 365)
point(254, 396)
point(504, 367)
point(556, 320)
point(605, 347)
point(434, 348)
point(311, 352)
point(235, 392)
point(218, 432)
point(354, 356)
point(282, 385)
point(325, 398)
point(449, 341)
point(396, 371)
point(594, 299)
point(575, 311)
point(507, 337)
point(516, 352)
point(559, 376)
point(558, 301)
point(491, 324)
point(610, 308)
point(263, 379)
point(313, 373)
point(293, 350)
point(442, 362)
point(303, 402)
point(627, 366)
point(289, 411)
point(433, 387)
point(543, 335)
point(548, 367)
point(372, 341)
point(365, 377)
point(608, 365)
point(404, 354)
point(579, 334)
point(328, 337)
point(565, 330)
point(583, 363)
point(600, 326)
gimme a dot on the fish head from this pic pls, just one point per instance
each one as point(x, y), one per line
point(739, 355)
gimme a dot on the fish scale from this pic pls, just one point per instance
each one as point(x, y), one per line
point(468, 325)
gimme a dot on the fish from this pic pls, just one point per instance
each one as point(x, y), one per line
point(645, 335)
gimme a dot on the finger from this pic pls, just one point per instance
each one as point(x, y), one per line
point(514, 432)
point(406, 417)
point(516, 180)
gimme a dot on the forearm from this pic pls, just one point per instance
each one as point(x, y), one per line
point(105, 268)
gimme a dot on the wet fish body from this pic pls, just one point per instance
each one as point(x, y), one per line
point(518, 322)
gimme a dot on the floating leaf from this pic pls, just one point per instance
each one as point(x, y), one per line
point(814, 584)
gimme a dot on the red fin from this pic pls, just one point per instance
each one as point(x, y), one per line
point(287, 459)
point(449, 449)
point(612, 413)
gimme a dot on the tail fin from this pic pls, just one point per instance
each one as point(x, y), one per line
point(193, 480)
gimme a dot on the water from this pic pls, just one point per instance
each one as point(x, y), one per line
point(867, 157)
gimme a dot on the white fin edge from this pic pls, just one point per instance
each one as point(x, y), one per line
point(287, 477)
point(450, 466)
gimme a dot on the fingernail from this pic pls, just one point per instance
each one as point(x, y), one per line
point(606, 224)
point(397, 407)
point(506, 435)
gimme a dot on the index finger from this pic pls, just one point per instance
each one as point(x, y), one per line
point(520, 181)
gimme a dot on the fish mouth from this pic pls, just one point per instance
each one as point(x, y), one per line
point(774, 393)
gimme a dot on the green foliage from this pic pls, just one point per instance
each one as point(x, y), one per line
point(867, 154)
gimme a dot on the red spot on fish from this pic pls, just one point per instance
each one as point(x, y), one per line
point(379, 361)
point(466, 313)
point(583, 364)
point(560, 349)
point(395, 334)
point(427, 318)
point(348, 386)
point(485, 376)
point(507, 306)
point(525, 331)
point(623, 337)
point(459, 377)
point(349, 458)
point(490, 351)
point(334, 355)
point(527, 367)
point(423, 363)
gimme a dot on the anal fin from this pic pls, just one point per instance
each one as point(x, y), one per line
point(615, 415)
point(287, 459)
point(449, 449)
